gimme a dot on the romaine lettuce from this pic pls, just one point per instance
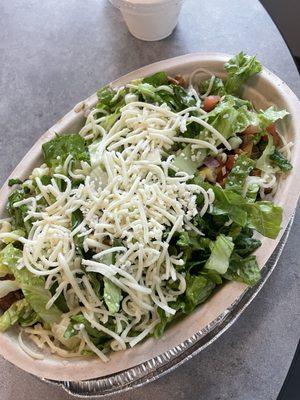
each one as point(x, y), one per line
point(221, 251)
point(58, 149)
point(240, 171)
point(279, 160)
point(263, 216)
point(13, 314)
point(269, 116)
point(239, 69)
point(112, 296)
point(157, 79)
point(244, 270)
point(33, 287)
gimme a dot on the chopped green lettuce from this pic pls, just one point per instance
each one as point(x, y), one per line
point(157, 79)
point(110, 100)
point(11, 316)
point(33, 287)
point(245, 244)
point(217, 87)
point(165, 319)
point(198, 289)
point(230, 119)
point(7, 286)
point(280, 161)
point(263, 216)
point(239, 69)
point(184, 162)
point(18, 213)
point(3, 269)
point(182, 99)
point(175, 97)
point(192, 240)
point(112, 296)
point(221, 251)
point(244, 270)
point(58, 149)
point(99, 338)
point(264, 163)
point(240, 171)
point(229, 203)
point(252, 192)
point(270, 116)
point(14, 181)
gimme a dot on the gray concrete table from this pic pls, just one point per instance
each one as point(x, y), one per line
point(53, 54)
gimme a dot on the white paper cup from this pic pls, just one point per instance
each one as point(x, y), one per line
point(149, 19)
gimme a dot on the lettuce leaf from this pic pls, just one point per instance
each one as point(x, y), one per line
point(7, 286)
point(278, 159)
point(217, 87)
point(157, 79)
point(177, 101)
point(14, 181)
point(11, 316)
point(263, 216)
point(3, 269)
point(109, 101)
point(244, 270)
point(58, 149)
point(18, 213)
point(239, 69)
point(240, 171)
point(182, 98)
point(252, 192)
point(229, 118)
point(245, 244)
point(184, 162)
point(165, 319)
point(270, 116)
point(229, 203)
point(99, 338)
point(264, 163)
point(193, 241)
point(32, 286)
point(198, 289)
point(221, 251)
point(112, 296)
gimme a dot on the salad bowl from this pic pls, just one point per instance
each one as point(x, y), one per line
point(187, 337)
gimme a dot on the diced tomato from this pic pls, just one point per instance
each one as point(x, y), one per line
point(271, 129)
point(210, 102)
point(251, 130)
point(230, 162)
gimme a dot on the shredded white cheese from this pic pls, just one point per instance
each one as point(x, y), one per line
point(127, 194)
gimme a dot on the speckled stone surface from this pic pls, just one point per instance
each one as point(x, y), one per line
point(55, 53)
